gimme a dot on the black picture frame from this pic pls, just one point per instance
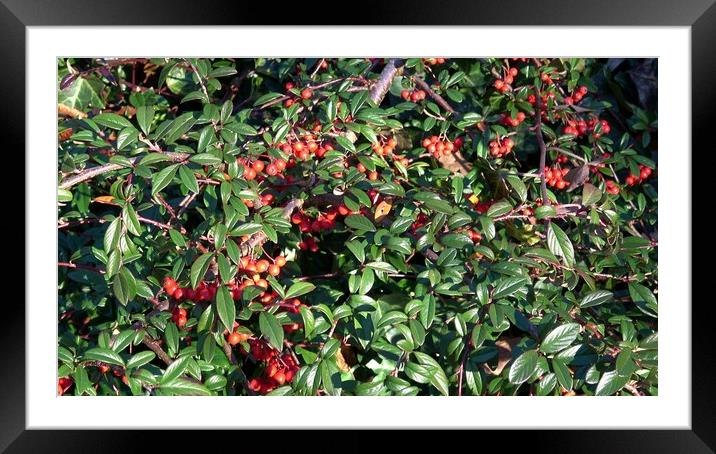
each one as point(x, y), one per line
point(16, 15)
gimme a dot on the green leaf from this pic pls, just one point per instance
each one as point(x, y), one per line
point(560, 245)
point(523, 367)
point(271, 329)
point(131, 220)
point(161, 179)
point(145, 116)
point(298, 289)
point(309, 321)
point(590, 194)
point(357, 249)
point(596, 298)
point(545, 211)
point(225, 307)
point(509, 286)
point(644, 299)
point(564, 377)
point(104, 355)
point(610, 383)
point(437, 375)
point(175, 369)
point(199, 268)
point(247, 229)
point(499, 209)
point(345, 144)
point(185, 387)
point(112, 121)
point(81, 95)
point(359, 222)
point(112, 235)
point(124, 288)
point(171, 335)
point(439, 205)
point(141, 359)
point(382, 266)
point(205, 159)
point(560, 338)
point(188, 178)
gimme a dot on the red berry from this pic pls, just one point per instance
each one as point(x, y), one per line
point(306, 93)
point(258, 166)
point(272, 169)
point(249, 174)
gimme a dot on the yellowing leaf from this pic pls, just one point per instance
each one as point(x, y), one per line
point(382, 210)
point(473, 198)
point(104, 199)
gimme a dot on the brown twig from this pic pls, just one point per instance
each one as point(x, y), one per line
point(259, 238)
point(92, 172)
point(381, 86)
point(67, 111)
point(438, 99)
point(80, 267)
point(542, 149)
point(153, 345)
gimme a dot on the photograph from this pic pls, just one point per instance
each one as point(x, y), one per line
point(357, 226)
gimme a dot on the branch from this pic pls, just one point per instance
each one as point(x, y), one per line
point(67, 111)
point(438, 99)
point(380, 89)
point(259, 238)
point(92, 172)
point(81, 267)
point(154, 346)
point(542, 148)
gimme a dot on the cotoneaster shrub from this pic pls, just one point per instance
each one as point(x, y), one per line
point(357, 227)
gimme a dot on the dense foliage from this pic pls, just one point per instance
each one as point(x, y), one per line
point(357, 227)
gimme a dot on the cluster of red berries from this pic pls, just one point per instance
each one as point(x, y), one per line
point(179, 316)
point(413, 95)
point(474, 235)
point(644, 173)
point(594, 168)
point(555, 177)
point(500, 148)
point(306, 93)
point(204, 291)
point(279, 370)
point(437, 147)
point(236, 336)
point(420, 221)
point(384, 147)
point(508, 120)
point(532, 99)
point(249, 265)
point(303, 149)
point(324, 221)
point(577, 96)
point(482, 207)
point(561, 159)
point(64, 384)
point(546, 77)
point(612, 187)
point(582, 127)
point(255, 168)
point(505, 84)
point(309, 244)
point(294, 307)
point(434, 61)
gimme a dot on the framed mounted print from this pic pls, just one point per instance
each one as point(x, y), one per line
point(462, 224)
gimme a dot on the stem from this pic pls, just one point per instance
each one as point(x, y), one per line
point(380, 89)
point(92, 172)
point(438, 99)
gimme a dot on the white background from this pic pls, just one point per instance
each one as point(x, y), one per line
point(671, 409)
